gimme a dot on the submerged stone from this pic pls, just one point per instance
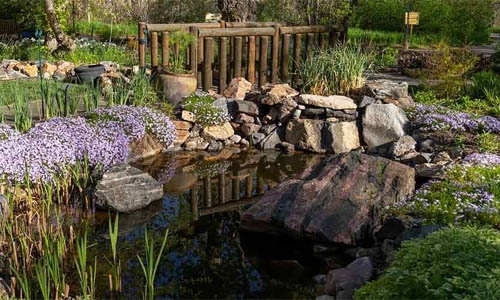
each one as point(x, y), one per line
point(338, 200)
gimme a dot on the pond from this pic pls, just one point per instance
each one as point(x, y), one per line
point(206, 254)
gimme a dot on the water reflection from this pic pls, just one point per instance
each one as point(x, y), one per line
point(204, 256)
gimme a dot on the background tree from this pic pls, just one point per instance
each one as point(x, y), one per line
point(63, 40)
point(238, 10)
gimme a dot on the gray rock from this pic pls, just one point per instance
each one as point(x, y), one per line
point(383, 124)
point(389, 91)
point(429, 171)
point(248, 129)
point(286, 109)
point(257, 137)
point(247, 107)
point(214, 146)
point(124, 189)
point(427, 146)
point(271, 140)
point(267, 129)
point(313, 113)
point(333, 102)
point(404, 145)
point(340, 137)
point(296, 114)
point(442, 158)
point(343, 282)
point(236, 139)
point(341, 115)
point(391, 229)
point(366, 101)
point(286, 147)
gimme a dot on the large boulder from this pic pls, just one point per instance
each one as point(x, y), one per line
point(383, 124)
point(278, 93)
point(125, 189)
point(322, 137)
point(145, 147)
point(334, 102)
point(237, 89)
point(339, 200)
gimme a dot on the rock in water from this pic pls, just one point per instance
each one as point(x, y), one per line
point(337, 201)
point(125, 189)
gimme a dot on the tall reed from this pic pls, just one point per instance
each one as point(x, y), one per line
point(150, 264)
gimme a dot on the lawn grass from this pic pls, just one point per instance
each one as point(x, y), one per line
point(391, 38)
point(105, 30)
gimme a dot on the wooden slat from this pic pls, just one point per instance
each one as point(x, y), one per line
point(201, 56)
point(333, 38)
point(165, 49)
point(222, 188)
point(264, 45)
point(285, 57)
point(323, 41)
point(154, 49)
point(297, 52)
point(222, 64)
point(218, 32)
point(310, 44)
point(142, 46)
point(308, 29)
point(193, 55)
point(207, 70)
point(177, 27)
point(275, 52)
point(238, 52)
point(250, 24)
point(251, 60)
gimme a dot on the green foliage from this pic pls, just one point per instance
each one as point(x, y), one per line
point(150, 264)
point(181, 11)
point(95, 52)
point(335, 71)
point(206, 113)
point(468, 194)
point(178, 63)
point(488, 142)
point(106, 30)
point(446, 70)
point(391, 38)
point(456, 21)
point(454, 263)
point(485, 85)
point(387, 57)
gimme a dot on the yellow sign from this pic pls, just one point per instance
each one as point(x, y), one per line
point(412, 18)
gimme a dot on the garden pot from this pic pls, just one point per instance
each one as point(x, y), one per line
point(88, 74)
point(176, 86)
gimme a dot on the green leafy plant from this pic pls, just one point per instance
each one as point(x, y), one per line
point(115, 276)
point(150, 264)
point(335, 71)
point(206, 113)
point(457, 263)
point(184, 40)
point(488, 142)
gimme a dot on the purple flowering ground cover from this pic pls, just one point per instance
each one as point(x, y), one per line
point(436, 118)
point(470, 193)
point(50, 148)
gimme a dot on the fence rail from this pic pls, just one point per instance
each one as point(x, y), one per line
point(261, 52)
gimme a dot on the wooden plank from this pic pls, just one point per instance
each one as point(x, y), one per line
point(297, 53)
point(308, 29)
point(238, 54)
point(250, 24)
point(142, 45)
point(310, 45)
point(201, 56)
point(165, 49)
point(207, 70)
point(323, 41)
point(264, 45)
point(236, 32)
point(222, 188)
point(154, 49)
point(251, 60)
point(285, 58)
point(222, 64)
point(177, 27)
point(275, 54)
point(193, 62)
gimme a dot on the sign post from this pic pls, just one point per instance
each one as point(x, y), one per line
point(411, 18)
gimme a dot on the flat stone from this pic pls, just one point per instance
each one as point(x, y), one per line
point(367, 101)
point(334, 102)
point(247, 107)
point(286, 109)
point(124, 189)
point(278, 93)
point(267, 129)
point(342, 116)
point(182, 125)
point(248, 129)
point(314, 113)
point(188, 116)
point(337, 201)
point(404, 145)
point(389, 91)
point(236, 138)
point(182, 136)
point(243, 118)
point(218, 132)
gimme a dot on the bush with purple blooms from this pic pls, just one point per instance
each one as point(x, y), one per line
point(50, 149)
point(470, 193)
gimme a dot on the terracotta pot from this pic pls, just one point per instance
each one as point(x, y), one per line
point(176, 86)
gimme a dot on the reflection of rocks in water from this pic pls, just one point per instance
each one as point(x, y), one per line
point(180, 182)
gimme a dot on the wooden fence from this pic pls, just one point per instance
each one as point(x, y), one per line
point(263, 52)
point(8, 26)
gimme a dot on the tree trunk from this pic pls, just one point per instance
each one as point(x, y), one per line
point(238, 10)
point(64, 41)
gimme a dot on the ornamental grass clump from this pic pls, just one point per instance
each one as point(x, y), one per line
point(469, 193)
point(207, 114)
point(335, 71)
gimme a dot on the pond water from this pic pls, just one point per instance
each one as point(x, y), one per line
point(206, 254)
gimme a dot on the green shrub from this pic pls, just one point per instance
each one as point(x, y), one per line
point(454, 263)
point(206, 113)
point(105, 30)
point(335, 71)
point(488, 142)
point(446, 71)
point(485, 84)
point(456, 21)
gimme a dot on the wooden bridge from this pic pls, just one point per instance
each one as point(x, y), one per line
point(261, 52)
